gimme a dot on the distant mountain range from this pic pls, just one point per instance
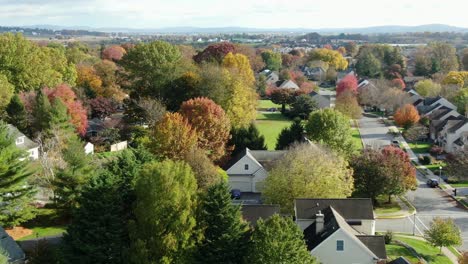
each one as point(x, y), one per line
point(180, 30)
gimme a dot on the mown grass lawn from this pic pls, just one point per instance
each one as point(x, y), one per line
point(420, 147)
point(265, 104)
point(424, 249)
point(39, 232)
point(395, 251)
point(270, 126)
point(460, 184)
point(383, 207)
point(48, 222)
point(357, 138)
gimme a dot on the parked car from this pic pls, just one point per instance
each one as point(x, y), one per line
point(433, 183)
point(272, 109)
point(395, 143)
point(235, 194)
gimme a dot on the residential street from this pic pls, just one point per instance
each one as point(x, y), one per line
point(429, 202)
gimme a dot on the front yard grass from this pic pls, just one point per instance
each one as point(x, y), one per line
point(425, 250)
point(420, 147)
point(39, 232)
point(383, 207)
point(48, 222)
point(357, 138)
point(395, 251)
point(460, 184)
point(265, 104)
point(270, 126)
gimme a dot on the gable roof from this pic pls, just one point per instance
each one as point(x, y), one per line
point(8, 245)
point(266, 158)
point(400, 260)
point(349, 208)
point(15, 133)
point(333, 221)
point(289, 84)
point(376, 244)
point(439, 113)
point(454, 125)
point(254, 212)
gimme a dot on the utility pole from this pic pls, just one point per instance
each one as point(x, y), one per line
point(414, 224)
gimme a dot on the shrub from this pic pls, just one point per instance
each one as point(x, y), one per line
point(436, 150)
point(388, 237)
point(427, 160)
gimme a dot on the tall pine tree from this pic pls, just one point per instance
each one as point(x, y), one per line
point(289, 135)
point(17, 115)
point(223, 228)
point(15, 193)
point(41, 113)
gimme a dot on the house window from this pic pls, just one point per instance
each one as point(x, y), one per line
point(19, 140)
point(246, 166)
point(339, 245)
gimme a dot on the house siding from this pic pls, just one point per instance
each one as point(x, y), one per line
point(353, 253)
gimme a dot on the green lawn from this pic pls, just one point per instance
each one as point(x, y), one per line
point(420, 147)
point(384, 207)
point(460, 184)
point(424, 249)
point(39, 232)
point(394, 251)
point(357, 138)
point(435, 167)
point(270, 125)
point(265, 104)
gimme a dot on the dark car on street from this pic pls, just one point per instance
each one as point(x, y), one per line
point(235, 194)
point(433, 183)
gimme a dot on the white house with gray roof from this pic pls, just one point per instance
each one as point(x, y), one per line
point(24, 143)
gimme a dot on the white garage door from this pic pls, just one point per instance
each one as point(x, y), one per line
point(243, 186)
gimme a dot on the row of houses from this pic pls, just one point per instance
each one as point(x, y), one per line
point(448, 128)
point(335, 230)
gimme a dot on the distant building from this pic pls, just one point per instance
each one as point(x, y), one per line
point(24, 143)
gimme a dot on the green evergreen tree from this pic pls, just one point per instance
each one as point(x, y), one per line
point(41, 113)
point(223, 228)
point(250, 137)
point(164, 229)
point(59, 117)
point(17, 115)
point(289, 135)
point(69, 181)
point(15, 193)
point(278, 240)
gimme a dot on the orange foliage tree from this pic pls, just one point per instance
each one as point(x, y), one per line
point(114, 53)
point(173, 137)
point(406, 116)
point(210, 122)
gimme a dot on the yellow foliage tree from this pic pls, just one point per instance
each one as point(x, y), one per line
point(331, 57)
point(459, 78)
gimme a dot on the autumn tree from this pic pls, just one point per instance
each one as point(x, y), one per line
point(215, 52)
point(164, 188)
point(331, 57)
point(144, 110)
point(290, 135)
point(172, 137)
point(444, 55)
point(254, 56)
point(101, 107)
point(16, 195)
point(428, 88)
point(307, 170)
point(150, 67)
point(416, 132)
point(347, 104)
point(348, 83)
point(332, 129)
point(351, 48)
point(282, 97)
point(222, 226)
point(211, 124)
point(6, 92)
point(443, 233)
point(88, 79)
point(272, 60)
point(113, 53)
point(406, 116)
point(278, 240)
point(464, 59)
point(399, 83)
point(248, 137)
point(400, 175)
point(457, 165)
point(206, 173)
point(369, 174)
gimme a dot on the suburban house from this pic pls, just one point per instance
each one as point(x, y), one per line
point(410, 81)
point(288, 84)
point(340, 230)
point(453, 131)
point(324, 98)
point(8, 246)
point(430, 104)
point(443, 113)
point(254, 212)
point(249, 168)
point(24, 143)
point(461, 144)
point(314, 73)
point(271, 77)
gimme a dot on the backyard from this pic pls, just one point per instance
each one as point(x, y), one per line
point(424, 249)
point(420, 147)
point(48, 222)
point(270, 125)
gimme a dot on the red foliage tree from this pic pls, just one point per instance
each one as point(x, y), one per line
point(399, 83)
point(406, 116)
point(101, 107)
point(210, 122)
point(348, 83)
point(400, 173)
point(113, 53)
point(282, 97)
point(75, 108)
point(328, 46)
point(215, 52)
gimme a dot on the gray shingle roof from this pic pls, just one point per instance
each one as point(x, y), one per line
point(349, 208)
point(253, 212)
point(456, 124)
point(400, 260)
point(15, 133)
point(9, 246)
point(376, 244)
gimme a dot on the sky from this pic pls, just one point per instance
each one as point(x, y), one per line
point(314, 14)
